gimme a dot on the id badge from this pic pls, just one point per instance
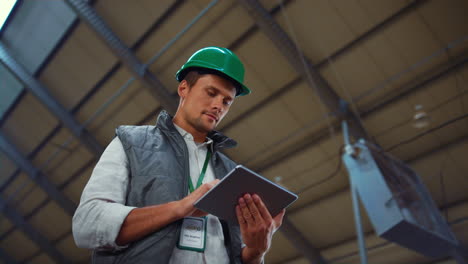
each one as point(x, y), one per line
point(193, 234)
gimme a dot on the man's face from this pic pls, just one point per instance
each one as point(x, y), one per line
point(206, 103)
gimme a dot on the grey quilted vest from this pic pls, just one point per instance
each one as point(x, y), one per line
point(159, 173)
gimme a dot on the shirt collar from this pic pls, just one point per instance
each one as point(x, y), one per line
point(187, 136)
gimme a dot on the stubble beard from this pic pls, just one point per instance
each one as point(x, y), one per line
point(199, 125)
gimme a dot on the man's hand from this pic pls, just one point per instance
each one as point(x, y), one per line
point(186, 207)
point(257, 227)
point(143, 221)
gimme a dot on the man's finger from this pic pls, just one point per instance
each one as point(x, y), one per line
point(279, 218)
point(240, 218)
point(253, 208)
point(246, 212)
point(262, 208)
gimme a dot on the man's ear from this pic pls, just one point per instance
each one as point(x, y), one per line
point(183, 89)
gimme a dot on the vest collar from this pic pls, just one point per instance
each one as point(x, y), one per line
point(220, 141)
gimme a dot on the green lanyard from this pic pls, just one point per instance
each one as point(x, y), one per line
point(202, 173)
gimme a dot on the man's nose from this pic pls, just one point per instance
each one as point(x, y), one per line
point(217, 103)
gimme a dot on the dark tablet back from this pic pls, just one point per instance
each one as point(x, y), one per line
point(222, 199)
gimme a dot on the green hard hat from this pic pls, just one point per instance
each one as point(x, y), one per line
point(222, 61)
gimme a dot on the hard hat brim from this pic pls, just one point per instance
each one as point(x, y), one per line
point(241, 89)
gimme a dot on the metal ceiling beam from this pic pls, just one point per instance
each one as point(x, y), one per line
point(437, 73)
point(420, 82)
point(42, 94)
point(139, 70)
point(408, 89)
point(302, 65)
point(31, 232)
point(37, 176)
point(343, 50)
point(375, 29)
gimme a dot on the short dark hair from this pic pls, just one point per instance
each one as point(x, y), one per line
point(193, 74)
point(192, 77)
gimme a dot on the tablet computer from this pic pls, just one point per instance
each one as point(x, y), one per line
point(222, 199)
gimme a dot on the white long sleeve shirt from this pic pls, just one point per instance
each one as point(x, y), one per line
point(102, 209)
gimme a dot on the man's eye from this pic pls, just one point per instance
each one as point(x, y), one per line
point(227, 103)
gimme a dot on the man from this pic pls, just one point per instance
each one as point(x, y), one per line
point(138, 204)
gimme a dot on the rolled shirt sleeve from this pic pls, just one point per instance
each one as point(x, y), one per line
point(101, 212)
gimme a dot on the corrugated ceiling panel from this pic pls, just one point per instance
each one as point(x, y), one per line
point(105, 93)
point(302, 161)
point(77, 67)
point(52, 221)
point(404, 129)
point(5, 224)
point(457, 154)
point(379, 11)
point(17, 187)
point(75, 159)
point(68, 247)
point(265, 128)
point(414, 41)
point(445, 91)
point(336, 212)
point(380, 252)
point(75, 188)
point(444, 177)
point(139, 16)
point(317, 179)
point(352, 73)
point(447, 21)
point(126, 110)
point(29, 115)
point(7, 167)
point(42, 258)
point(316, 27)
point(280, 249)
point(354, 15)
point(304, 105)
point(30, 200)
point(224, 19)
point(11, 245)
point(55, 151)
point(40, 22)
point(266, 64)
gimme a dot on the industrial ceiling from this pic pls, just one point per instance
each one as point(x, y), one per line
point(71, 71)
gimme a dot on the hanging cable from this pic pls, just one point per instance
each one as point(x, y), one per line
point(327, 178)
point(446, 123)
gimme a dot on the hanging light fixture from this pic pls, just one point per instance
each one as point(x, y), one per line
point(420, 119)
